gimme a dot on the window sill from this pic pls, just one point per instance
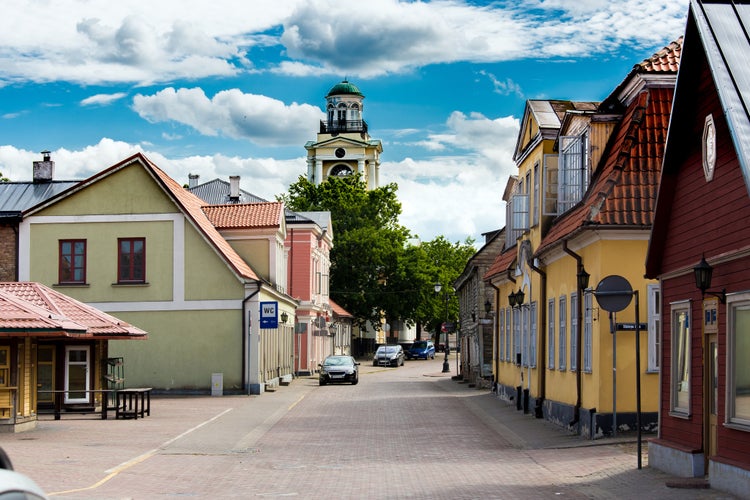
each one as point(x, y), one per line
point(736, 426)
point(71, 285)
point(126, 285)
point(679, 414)
point(652, 372)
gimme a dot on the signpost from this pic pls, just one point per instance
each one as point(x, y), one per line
point(269, 317)
point(614, 294)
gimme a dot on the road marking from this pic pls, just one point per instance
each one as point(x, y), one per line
point(140, 458)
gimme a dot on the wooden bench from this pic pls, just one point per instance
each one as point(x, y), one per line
point(133, 402)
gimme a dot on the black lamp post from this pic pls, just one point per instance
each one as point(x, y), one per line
point(446, 365)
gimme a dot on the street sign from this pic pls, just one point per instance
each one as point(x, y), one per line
point(269, 315)
point(613, 293)
point(448, 327)
point(631, 327)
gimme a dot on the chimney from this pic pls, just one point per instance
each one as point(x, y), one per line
point(234, 189)
point(45, 169)
point(193, 180)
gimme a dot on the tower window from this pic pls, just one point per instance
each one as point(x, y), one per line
point(341, 171)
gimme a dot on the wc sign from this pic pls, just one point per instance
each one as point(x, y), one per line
point(269, 315)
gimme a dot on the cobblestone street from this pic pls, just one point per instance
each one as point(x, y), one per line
point(408, 432)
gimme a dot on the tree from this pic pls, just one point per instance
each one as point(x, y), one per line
point(3, 178)
point(368, 241)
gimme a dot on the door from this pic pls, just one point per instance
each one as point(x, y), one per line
point(711, 392)
point(77, 374)
point(45, 373)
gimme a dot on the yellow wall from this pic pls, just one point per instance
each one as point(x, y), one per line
point(256, 253)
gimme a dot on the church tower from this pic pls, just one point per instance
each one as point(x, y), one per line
point(343, 146)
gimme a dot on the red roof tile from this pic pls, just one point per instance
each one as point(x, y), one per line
point(32, 308)
point(666, 60)
point(338, 310)
point(503, 263)
point(623, 190)
point(250, 215)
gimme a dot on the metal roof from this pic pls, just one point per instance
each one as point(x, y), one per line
point(19, 196)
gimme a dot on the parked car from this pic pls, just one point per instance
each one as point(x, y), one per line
point(338, 369)
point(421, 349)
point(389, 355)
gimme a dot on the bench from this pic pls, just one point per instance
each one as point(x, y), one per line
point(133, 402)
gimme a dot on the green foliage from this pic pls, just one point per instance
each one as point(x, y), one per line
point(3, 178)
point(373, 270)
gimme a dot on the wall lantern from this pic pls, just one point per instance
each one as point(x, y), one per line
point(515, 298)
point(438, 287)
point(583, 279)
point(703, 272)
point(284, 317)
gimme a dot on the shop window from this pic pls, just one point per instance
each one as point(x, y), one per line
point(738, 352)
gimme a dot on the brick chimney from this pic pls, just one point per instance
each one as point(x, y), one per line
point(44, 170)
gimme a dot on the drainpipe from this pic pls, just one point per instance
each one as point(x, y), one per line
point(538, 413)
point(496, 336)
point(579, 336)
point(244, 336)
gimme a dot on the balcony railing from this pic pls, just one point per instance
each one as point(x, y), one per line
point(343, 127)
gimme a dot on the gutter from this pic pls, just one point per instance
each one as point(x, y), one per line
point(579, 335)
point(538, 413)
point(244, 336)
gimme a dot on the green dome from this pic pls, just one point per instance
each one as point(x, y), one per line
point(344, 88)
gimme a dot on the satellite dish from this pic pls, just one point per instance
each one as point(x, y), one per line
point(613, 293)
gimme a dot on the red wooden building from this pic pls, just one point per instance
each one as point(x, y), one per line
point(702, 229)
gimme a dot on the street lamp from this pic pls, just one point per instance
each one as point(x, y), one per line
point(446, 365)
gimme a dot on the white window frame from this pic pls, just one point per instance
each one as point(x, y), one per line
point(551, 333)
point(517, 217)
point(588, 330)
point(654, 327)
point(562, 333)
point(550, 184)
point(573, 171)
point(573, 331)
point(87, 365)
point(525, 334)
point(684, 349)
point(508, 335)
point(517, 348)
point(501, 336)
point(735, 303)
point(535, 202)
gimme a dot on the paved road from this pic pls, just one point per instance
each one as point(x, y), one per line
point(408, 432)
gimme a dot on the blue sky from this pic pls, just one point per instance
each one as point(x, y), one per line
point(237, 87)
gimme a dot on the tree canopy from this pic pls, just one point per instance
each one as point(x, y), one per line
point(374, 268)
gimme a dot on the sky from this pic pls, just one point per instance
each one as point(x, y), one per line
point(237, 87)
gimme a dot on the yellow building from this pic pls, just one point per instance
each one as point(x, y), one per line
point(582, 205)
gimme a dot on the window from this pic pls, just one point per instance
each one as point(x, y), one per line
point(654, 327)
point(573, 331)
point(562, 338)
point(501, 336)
point(4, 366)
point(532, 341)
point(72, 268)
point(738, 352)
point(588, 327)
point(680, 382)
point(517, 217)
point(131, 258)
point(551, 334)
point(573, 173)
point(535, 209)
point(76, 374)
point(550, 184)
point(507, 335)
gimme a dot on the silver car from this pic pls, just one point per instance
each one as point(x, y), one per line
point(389, 355)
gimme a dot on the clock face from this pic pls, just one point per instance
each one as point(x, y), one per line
point(340, 152)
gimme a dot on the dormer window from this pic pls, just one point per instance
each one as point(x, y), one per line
point(516, 217)
point(573, 175)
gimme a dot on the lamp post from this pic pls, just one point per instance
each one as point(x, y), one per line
point(446, 365)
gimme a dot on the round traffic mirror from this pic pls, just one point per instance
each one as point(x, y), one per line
point(613, 293)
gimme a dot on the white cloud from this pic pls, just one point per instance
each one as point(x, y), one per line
point(140, 41)
point(102, 99)
point(232, 113)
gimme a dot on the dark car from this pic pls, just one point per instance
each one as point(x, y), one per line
point(421, 349)
point(389, 355)
point(338, 369)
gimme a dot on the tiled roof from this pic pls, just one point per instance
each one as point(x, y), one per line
point(338, 310)
point(623, 190)
point(252, 215)
point(503, 263)
point(666, 60)
point(32, 308)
